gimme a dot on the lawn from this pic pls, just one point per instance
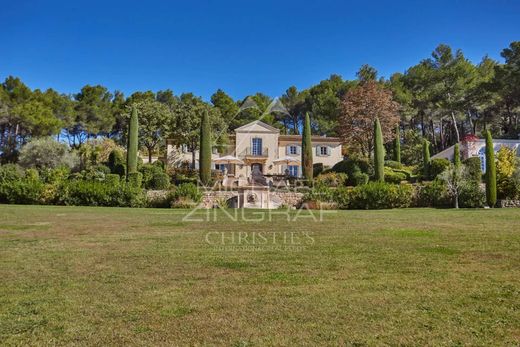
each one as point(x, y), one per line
point(113, 276)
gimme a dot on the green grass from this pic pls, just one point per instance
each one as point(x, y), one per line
point(110, 276)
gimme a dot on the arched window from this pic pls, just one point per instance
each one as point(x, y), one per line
point(482, 156)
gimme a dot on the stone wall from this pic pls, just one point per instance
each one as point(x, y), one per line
point(212, 199)
point(292, 199)
point(508, 203)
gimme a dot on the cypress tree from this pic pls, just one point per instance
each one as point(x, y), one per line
point(397, 144)
point(456, 155)
point(426, 158)
point(131, 151)
point(379, 152)
point(205, 150)
point(307, 149)
point(491, 175)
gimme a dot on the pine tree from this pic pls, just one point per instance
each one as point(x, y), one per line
point(491, 175)
point(379, 153)
point(426, 159)
point(456, 155)
point(397, 144)
point(307, 149)
point(131, 153)
point(205, 150)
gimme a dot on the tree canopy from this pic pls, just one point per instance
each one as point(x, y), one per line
point(442, 98)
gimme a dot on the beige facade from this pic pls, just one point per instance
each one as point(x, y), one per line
point(477, 148)
point(258, 145)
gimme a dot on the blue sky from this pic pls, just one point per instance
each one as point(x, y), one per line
point(239, 46)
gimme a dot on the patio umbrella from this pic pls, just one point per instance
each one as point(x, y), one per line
point(228, 159)
point(286, 160)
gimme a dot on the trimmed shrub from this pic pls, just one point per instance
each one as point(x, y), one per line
point(307, 167)
point(181, 179)
point(359, 178)
point(380, 195)
point(205, 149)
point(437, 166)
point(393, 164)
point(158, 199)
point(406, 172)
point(471, 195)
point(189, 191)
point(318, 194)
point(113, 179)
point(379, 153)
point(54, 176)
point(474, 168)
point(132, 145)
point(491, 175)
point(160, 164)
point(159, 181)
point(507, 166)
point(509, 188)
point(96, 172)
point(116, 162)
point(154, 177)
point(392, 176)
point(341, 197)
point(317, 169)
point(22, 191)
point(135, 179)
point(10, 173)
point(94, 193)
point(354, 167)
point(432, 194)
point(456, 155)
point(332, 179)
point(426, 158)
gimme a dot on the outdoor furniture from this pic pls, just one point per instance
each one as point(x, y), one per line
point(229, 180)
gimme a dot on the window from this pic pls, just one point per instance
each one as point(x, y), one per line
point(323, 150)
point(256, 146)
point(293, 149)
point(293, 170)
point(221, 167)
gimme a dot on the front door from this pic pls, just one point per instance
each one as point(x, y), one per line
point(257, 166)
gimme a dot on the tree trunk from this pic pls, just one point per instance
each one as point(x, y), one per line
point(422, 124)
point(295, 125)
point(441, 134)
point(149, 154)
point(434, 139)
point(193, 156)
point(455, 126)
point(456, 200)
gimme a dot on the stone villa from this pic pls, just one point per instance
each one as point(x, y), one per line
point(258, 145)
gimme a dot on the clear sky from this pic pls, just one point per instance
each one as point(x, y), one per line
point(243, 47)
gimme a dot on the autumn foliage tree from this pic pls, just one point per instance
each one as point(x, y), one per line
point(359, 109)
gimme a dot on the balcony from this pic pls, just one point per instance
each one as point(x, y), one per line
point(255, 152)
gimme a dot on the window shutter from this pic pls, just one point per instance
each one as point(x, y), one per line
point(298, 149)
point(329, 150)
point(317, 150)
point(288, 149)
